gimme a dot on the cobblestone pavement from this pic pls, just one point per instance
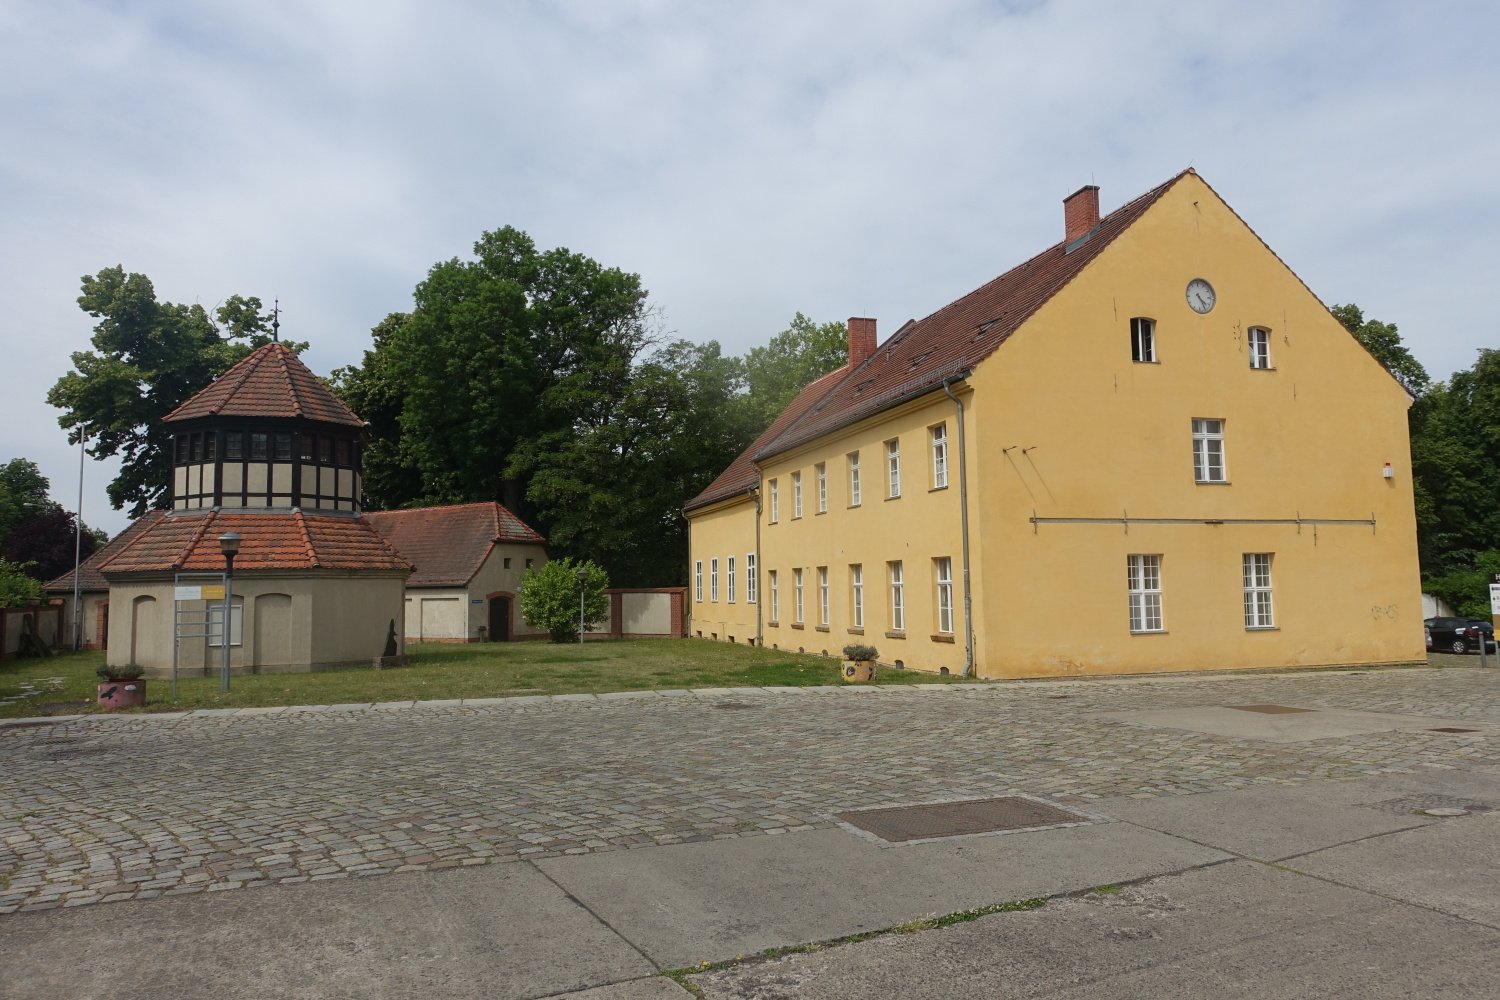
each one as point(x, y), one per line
point(124, 807)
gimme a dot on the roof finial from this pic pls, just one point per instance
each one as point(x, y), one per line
point(276, 320)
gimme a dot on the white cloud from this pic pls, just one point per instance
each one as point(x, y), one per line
point(748, 160)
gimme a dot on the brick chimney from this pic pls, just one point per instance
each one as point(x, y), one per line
point(861, 339)
point(1080, 212)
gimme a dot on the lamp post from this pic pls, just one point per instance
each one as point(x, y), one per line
point(583, 576)
point(229, 544)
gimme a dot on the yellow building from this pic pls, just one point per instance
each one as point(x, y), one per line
point(1148, 448)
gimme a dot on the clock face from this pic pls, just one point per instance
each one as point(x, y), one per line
point(1200, 295)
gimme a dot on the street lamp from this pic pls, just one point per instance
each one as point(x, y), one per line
point(229, 544)
point(583, 576)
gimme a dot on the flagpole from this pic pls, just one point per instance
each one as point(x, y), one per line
point(78, 544)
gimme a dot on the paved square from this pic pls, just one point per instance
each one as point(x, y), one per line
point(1280, 723)
point(133, 807)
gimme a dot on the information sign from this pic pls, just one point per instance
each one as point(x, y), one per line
point(1495, 598)
point(212, 593)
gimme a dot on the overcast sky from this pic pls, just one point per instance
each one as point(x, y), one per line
point(748, 160)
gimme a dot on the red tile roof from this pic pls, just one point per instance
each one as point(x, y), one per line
point(742, 474)
point(450, 544)
point(271, 382)
point(951, 341)
point(271, 541)
point(89, 576)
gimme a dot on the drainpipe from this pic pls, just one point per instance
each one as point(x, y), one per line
point(963, 514)
point(754, 494)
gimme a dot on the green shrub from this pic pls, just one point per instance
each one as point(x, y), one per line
point(859, 651)
point(1468, 593)
point(129, 672)
point(549, 598)
point(15, 585)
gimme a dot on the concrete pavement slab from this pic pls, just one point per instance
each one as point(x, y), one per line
point(498, 931)
point(1273, 822)
point(1234, 930)
point(712, 901)
point(1451, 865)
point(1291, 727)
point(655, 988)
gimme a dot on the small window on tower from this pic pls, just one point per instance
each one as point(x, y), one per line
point(182, 448)
point(234, 445)
point(325, 450)
point(258, 446)
point(195, 449)
point(1143, 340)
point(283, 447)
point(308, 443)
point(343, 451)
point(507, 562)
point(209, 440)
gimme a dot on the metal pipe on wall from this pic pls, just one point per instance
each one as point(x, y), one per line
point(963, 508)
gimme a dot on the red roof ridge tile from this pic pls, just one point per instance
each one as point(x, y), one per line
point(307, 542)
point(192, 543)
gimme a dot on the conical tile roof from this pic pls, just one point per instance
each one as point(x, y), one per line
point(271, 382)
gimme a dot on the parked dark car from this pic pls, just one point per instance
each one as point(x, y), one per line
point(1459, 635)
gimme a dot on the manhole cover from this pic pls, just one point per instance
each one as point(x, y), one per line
point(733, 704)
point(1269, 709)
point(1451, 729)
point(955, 819)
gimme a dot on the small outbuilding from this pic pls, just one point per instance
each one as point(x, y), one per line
point(469, 562)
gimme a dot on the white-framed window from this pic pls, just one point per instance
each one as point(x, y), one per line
point(752, 579)
point(1143, 579)
point(713, 579)
point(1142, 339)
point(944, 568)
point(1208, 450)
point(698, 580)
point(823, 595)
point(775, 595)
point(940, 456)
point(822, 470)
point(898, 598)
point(797, 595)
point(1259, 341)
point(857, 594)
point(854, 479)
point(1257, 570)
point(729, 580)
point(236, 623)
point(893, 466)
point(775, 503)
point(796, 495)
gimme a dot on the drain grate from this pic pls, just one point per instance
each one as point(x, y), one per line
point(956, 819)
point(1451, 729)
point(1269, 709)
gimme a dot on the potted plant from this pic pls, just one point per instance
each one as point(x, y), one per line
point(121, 687)
point(859, 662)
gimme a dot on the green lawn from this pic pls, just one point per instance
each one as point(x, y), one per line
point(448, 670)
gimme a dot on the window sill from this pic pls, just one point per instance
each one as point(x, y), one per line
point(936, 488)
point(1138, 361)
point(1148, 631)
point(820, 628)
point(896, 497)
point(1211, 482)
point(896, 635)
point(798, 625)
point(1262, 628)
point(820, 512)
point(943, 637)
point(854, 506)
point(773, 624)
point(856, 630)
point(1269, 369)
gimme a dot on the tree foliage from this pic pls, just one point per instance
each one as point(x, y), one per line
point(552, 599)
point(37, 536)
point(149, 357)
point(391, 478)
point(802, 353)
point(1382, 340)
point(16, 584)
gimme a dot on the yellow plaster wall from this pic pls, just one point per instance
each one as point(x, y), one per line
point(1108, 435)
point(717, 532)
point(919, 526)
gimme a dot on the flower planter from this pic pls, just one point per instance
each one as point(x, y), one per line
point(122, 693)
point(855, 671)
